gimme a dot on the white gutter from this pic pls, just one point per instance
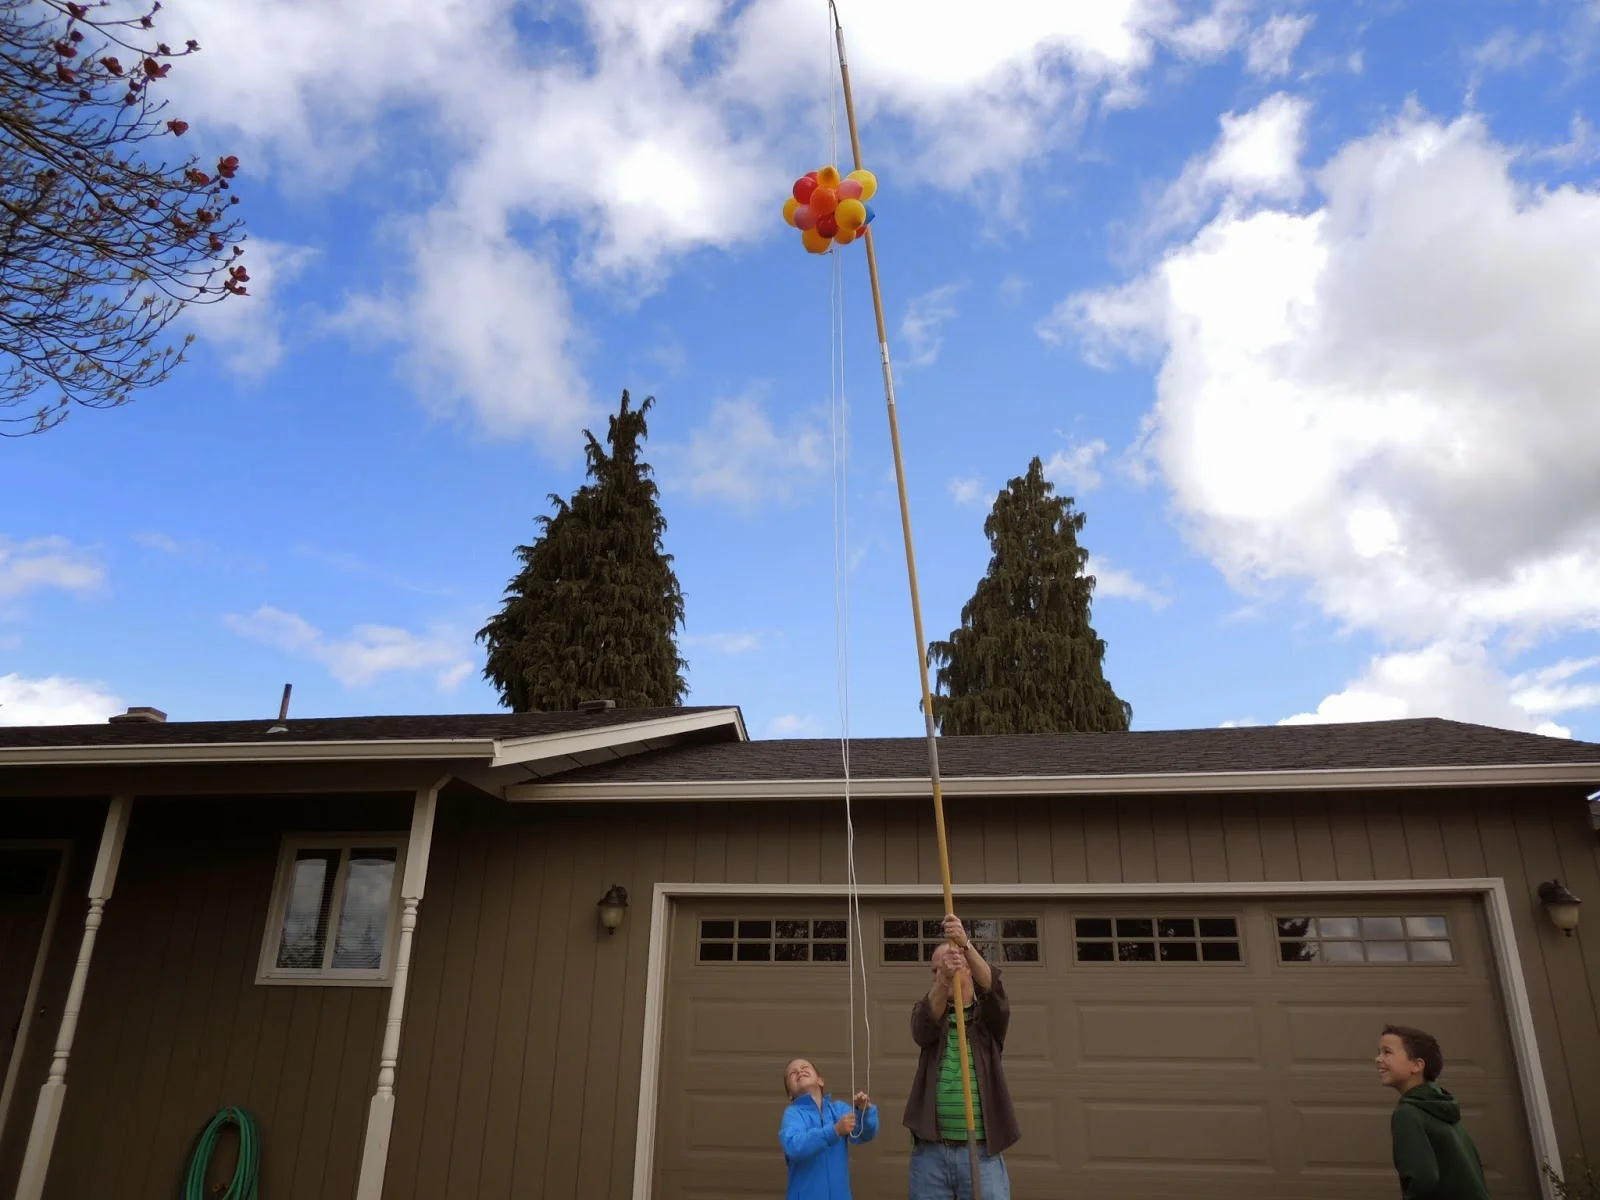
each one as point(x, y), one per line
point(493, 752)
point(1347, 779)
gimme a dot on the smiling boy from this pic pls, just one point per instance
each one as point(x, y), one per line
point(1433, 1153)
point(816, 1133)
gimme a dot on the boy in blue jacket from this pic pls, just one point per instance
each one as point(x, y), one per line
point(816, 1133)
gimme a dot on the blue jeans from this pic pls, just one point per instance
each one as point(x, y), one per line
point(940, 1172)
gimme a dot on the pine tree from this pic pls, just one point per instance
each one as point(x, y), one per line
point(1026, 659)
point(594, 612)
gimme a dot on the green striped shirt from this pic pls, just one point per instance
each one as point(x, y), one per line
point(952, 1108)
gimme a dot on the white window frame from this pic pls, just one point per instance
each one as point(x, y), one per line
point(267, 969)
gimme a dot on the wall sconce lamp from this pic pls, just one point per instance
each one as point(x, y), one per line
point(1560, 904)
point(613, 905)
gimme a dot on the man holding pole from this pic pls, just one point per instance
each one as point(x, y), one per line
point(936, 1111)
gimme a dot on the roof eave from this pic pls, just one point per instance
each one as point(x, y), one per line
point(1186, 782)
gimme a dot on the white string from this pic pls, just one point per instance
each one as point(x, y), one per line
point(839, 427)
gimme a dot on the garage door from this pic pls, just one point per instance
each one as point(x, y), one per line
point(1215, 1049)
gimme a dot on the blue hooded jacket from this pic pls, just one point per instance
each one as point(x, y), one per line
point(818, 1158)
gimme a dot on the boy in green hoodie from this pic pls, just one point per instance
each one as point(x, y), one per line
point(1433, 1153)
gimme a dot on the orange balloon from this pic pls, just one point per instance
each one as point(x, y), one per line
point(789, 206)
point(824, 200)
point(815, 242)
point(828, 177)
point(845, 236)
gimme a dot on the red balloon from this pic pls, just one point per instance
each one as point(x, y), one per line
point(850, 189)
point(823, 200)
point(803, 187)
point(804, 218)
point(828, 226)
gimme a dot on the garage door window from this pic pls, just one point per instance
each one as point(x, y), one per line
point(998, 939)
point(1387, 939)
point(781, 940)
point(1157, 939)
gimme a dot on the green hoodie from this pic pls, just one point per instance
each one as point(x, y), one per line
point(1433, 1153)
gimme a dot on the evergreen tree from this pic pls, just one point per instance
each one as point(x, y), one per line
point(1026, 659)
point(594, 612)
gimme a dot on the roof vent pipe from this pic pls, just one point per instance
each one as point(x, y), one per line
point(281, 725)
point(139, 716)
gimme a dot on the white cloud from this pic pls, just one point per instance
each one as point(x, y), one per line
point(1075, 469)
point(368, 652)
point(1506, 50)
point(54, 700)
point(922, 328)
point(673, 127)
point(1458, 681)
point(1123, 585)
point(740, 455)
point(47, 562)
point(1271, 49)
point(724, 643)
point(247, 331)
point(794, 725)
point(967, 490)
point(154, 540)
point(1256, 157)
point(1388, 397)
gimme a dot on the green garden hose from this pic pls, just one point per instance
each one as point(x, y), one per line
point(246, 1172)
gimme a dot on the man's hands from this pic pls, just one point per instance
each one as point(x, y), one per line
point(954, 932)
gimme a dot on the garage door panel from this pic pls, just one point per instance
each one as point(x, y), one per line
point(1167, 1034)
point(1250, 1080)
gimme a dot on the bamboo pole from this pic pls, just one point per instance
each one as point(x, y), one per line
point(916, 612)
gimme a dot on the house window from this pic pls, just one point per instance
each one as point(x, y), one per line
point(998, 939)
point(782, 940)
point(1388, 939)
point(1157, 939)
point(334, 910)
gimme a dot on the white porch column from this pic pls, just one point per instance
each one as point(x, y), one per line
point(380, 1115)
point(47, 1116)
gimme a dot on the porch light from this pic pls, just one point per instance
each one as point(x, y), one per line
point(613, 905)
point(1560, 904)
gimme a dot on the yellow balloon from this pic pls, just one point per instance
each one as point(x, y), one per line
point(828, 177)
point(789, 206)
point(868, 182)
point(845, 236)
point(851, 214)
point(814, 241)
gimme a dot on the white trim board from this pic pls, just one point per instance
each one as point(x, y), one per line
point(1492, 892)
point(1154, 783)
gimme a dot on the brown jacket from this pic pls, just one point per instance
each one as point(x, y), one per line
point(987, 1033)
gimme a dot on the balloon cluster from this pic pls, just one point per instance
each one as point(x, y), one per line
point(828, 209)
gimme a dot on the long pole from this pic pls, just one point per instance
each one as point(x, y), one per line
point(916, 614)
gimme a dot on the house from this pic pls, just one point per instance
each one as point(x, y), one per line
point(385, 937)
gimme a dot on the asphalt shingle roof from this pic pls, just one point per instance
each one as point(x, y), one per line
point(1426, 742)
point(330, 729)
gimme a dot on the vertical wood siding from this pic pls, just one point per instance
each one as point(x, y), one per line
point(174, 1025)
point(519, 1066)
point(519, 1071)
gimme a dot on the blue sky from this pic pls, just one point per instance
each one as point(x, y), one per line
point(1297, 300)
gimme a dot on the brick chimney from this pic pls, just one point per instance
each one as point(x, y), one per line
point(139, 716)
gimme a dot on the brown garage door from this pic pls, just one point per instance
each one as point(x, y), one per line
point(1177, 1049)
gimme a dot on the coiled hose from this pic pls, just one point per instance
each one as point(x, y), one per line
point(246, 1172)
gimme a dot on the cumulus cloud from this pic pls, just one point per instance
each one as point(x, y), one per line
point(247, 331)
point(1388, 397)
point(922, 328)
point(1270, 52)
point(1120, 584)
point(740, 455)
point(1076, 469)
point(794, 725)
point(55, 700)
point(966, 490)
point(47, 562)
point(613, 150)
point(370, 651)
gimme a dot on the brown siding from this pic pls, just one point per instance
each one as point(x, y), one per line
point(521, 1059)
point(518, 1071)
point(174, 1025)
